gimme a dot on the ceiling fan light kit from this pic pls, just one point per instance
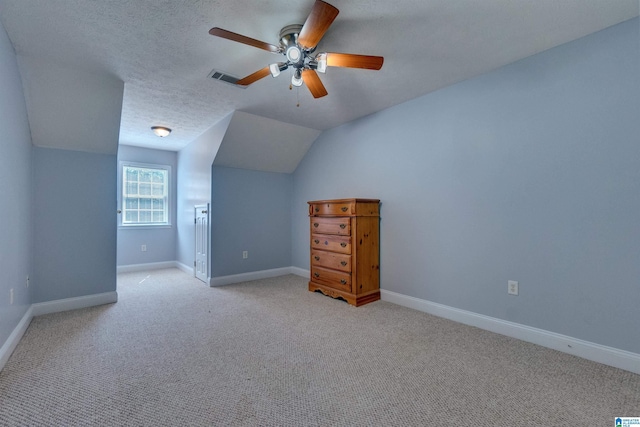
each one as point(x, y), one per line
point(321, 62)
point(297, 44)
point(296, 79)
point(277, 68)
point(294, 54)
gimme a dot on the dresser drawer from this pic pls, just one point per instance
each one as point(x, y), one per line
point(341, 226)
point(332, 243)
point(331, 260)
point(331, 208)
point(335, 279)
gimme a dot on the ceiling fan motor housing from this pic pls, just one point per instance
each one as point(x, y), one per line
point(289, 42)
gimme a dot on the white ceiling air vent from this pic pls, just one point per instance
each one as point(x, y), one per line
point(224, 77)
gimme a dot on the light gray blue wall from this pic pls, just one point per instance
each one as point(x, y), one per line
point(194, 185)
point(528, 173)
point(74, 223)
point(250, 211)
point(160, 242)
point(15, 192)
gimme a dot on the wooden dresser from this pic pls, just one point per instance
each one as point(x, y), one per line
point(345, 252)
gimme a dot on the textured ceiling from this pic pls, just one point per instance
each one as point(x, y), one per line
point(162, 51)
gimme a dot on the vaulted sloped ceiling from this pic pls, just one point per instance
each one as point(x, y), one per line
point(70, 108)
point(163, 53)
point(257, 143)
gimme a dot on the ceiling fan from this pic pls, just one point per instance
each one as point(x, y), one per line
point(298, 44)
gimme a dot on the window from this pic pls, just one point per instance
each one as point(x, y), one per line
point(145, 195)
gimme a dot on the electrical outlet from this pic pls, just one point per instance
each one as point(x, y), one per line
point(512, 287)
point(143, 248)
point(245, 254)
point(11, 296)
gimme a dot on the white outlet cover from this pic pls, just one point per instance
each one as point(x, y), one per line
point(512, 287)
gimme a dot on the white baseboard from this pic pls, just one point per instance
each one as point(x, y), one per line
point(48, 307)
point(184, 267)
point(245, 277)
point(66, 304)
point(300, 272)
point(587, 350)
point(148, 266)
point(12, 342)
point(216, 281)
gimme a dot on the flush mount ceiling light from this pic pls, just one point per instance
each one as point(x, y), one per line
point(161, 131)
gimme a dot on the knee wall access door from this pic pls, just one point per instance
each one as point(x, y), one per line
point(201, 263)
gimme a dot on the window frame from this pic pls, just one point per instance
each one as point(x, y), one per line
point(121, 196)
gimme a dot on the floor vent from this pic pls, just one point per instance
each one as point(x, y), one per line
point(224, 77)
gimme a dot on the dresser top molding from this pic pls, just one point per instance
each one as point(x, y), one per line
point(345, 201)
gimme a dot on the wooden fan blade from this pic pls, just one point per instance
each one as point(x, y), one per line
point(251, 78)
point(317, 23)
point(350, 60)
point(313, 82)
point(219, 32)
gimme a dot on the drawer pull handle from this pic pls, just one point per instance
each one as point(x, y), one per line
point(343, 226)
point(316, 275)
point(343, 244)
point(317, 258)
point(316, 241)
point(317, 209)
point(343, 263)
point(315, 224)
point(344, 282)
point(344, 209)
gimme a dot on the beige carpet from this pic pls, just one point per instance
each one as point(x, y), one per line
point(269, 353)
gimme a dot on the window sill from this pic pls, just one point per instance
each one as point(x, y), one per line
point(143, 226)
